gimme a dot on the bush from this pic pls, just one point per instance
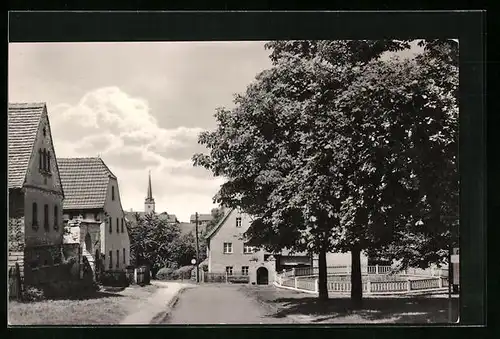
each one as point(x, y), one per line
point(165, 273)
point(32, 293)
point(114, 279)
point(184, 272)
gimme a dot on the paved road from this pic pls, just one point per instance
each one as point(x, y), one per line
point(220, 304)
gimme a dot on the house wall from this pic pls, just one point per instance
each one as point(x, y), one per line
point(230, 233)
point(115, 240)
point(43, 189)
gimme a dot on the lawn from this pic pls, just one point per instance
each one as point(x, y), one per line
point(306, 308)
point(102, 308)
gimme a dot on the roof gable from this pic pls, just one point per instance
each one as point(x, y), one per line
point(214, 230)
point(85, 182)
point(23, 123)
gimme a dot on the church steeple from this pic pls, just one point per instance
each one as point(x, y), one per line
point(149, 203)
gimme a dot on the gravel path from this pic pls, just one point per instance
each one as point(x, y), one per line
point(158, 303)
point(220, 304)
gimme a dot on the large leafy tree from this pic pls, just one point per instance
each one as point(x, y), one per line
point(335, 149)
point(156, 242)
point(281, 147)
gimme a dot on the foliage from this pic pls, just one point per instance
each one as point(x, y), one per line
point(336, 149)
point(165, 273)
point(16, 234)
point(158, 243)
point(32, 294)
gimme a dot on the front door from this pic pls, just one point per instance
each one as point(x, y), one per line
point(262, 276)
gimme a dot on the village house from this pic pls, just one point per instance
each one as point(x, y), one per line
point(34, 188)
point(203, 219)
point(228, 253)
point(93, 213)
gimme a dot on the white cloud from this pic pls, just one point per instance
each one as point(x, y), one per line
point(120, 128)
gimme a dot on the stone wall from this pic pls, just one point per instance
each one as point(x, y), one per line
point(16, 257)
point(16, 234)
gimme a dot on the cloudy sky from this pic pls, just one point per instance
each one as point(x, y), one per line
point(140, 106)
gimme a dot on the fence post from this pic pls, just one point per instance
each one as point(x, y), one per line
point(368, 287)
point(293, 272)
point(316, 285)
point(295, 282)
point(408, 286)
point(440, 280)
point(376, 269)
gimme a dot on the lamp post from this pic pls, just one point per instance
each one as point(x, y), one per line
point(197, 251)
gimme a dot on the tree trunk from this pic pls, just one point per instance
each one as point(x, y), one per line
point(356, 280)
point(322, 277)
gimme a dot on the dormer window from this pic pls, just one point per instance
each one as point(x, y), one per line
point(112, 192)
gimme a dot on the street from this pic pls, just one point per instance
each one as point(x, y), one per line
point(220, 304)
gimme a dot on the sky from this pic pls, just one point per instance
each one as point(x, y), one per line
point(139, 106)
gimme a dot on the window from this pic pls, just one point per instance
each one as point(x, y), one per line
point(228, 247)
point(112, 192)
point(229, 270)
point(117, 225)
point(44, 159)
point(124, 256)
point(117, 258)
point(46, 217)
point(40, 159)
point(56, 218)
point(238, 222)
point(110, 260)
point(244, 270)
point(34, 222)
point(110, 225)
point(96, 217)
point(48, 161)
point(248, 249)
point(122, 227)
point(44, 132)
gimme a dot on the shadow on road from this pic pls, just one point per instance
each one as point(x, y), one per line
point(398, 310)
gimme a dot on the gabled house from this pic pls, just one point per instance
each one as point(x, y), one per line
point(34, 185)
point(93, 212)
point(228, 253)
point(203, 219)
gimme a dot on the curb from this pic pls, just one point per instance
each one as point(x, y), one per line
point(163, 316)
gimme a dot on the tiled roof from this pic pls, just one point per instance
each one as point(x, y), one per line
point(201, 217)
point(85, 182)
point(219, 225)
point(23, 122)
point(188, 227)
point(130, 216)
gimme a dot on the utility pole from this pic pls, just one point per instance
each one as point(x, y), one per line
point(197, 252)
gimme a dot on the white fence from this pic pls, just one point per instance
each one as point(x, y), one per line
point(379, 280)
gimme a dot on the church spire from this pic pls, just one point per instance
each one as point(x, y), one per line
point(149, 203)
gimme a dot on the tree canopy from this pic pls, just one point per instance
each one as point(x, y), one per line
point(337, 149)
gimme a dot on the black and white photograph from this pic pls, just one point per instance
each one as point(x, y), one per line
point(234, 182)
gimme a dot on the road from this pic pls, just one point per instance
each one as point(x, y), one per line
point(220, 304)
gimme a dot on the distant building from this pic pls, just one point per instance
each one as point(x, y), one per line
point(34, 185)
point(149, 207)
point(228, 253)
point(93, 212)
point(203, 219)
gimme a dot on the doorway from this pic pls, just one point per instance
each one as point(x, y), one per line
point(88, 243)
point(262, 276)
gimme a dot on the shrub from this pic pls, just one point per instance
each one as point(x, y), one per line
point(32, 293)
point(165, 273)
point(184, 272)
